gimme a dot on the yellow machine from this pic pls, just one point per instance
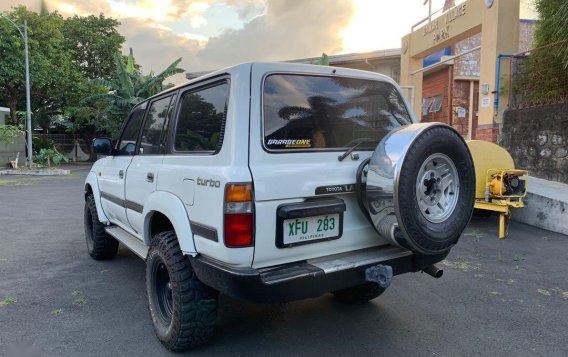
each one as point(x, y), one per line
point(499, 186)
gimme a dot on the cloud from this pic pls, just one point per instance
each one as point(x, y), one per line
point(34, 5)
point(156, 46)
point(287, 30)
point(153, 10)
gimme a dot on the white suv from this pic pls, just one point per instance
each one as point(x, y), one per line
point(273, 182)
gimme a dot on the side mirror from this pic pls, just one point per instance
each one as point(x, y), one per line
point(102, 146)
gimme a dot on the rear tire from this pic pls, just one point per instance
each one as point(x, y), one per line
point(359, 294)
point(100, 244)
point(183, 309)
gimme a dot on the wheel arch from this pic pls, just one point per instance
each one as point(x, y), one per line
point(92, 187)
point(165, 211)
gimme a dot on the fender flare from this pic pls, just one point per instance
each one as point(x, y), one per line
point(93, 183)
point(173, 208)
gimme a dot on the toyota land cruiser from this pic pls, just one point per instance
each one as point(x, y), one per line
point(272, 182)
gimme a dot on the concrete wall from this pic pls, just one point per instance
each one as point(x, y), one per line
point(8, 152)
point(537, 138)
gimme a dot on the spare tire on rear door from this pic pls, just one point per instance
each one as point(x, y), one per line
point(420, 187)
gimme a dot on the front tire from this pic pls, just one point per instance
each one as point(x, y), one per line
point(183, 309)
point(359, 294)
point(100, 244)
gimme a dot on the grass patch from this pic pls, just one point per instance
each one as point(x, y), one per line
point(57, 312)
point(543, 292)
point(475, 234)
point(76, 293)
point(19, 181)
point(22, 180)
point(8, 301)
point(80, 301)
point(565, 295)
point(460, 263)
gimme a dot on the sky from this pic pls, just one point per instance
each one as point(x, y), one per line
point(211, 34)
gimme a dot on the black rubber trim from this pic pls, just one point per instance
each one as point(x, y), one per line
point(294, 281)
point(123, 203)
point(204, 231)
point(112, 198)
point(311, 208)
point(308, 209)
point(133, 206)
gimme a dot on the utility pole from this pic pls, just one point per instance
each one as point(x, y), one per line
point(28, 101)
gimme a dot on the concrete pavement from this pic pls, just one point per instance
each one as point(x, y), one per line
point(507, 297)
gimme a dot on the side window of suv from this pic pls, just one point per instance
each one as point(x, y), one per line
point(127, 143)
point(201, 119)
point(152, 141)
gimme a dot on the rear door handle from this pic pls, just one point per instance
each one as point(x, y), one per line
point(150, 177)
point(121, 174)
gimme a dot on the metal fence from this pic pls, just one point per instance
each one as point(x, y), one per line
point(537, 77)
point(62, 142)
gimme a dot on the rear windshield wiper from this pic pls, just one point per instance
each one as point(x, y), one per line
point(354, 145)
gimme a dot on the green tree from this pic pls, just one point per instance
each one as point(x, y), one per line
point(542, 78)
point(52, 74)
point(552, 26)
point(107, 102)
point(129, 86)
point(93, 40)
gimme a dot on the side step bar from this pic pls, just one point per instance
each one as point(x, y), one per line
point(130, 241)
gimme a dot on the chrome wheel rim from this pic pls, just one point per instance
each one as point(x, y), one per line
point(437, 188)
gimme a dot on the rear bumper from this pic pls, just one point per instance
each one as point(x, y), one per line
point(305, 279)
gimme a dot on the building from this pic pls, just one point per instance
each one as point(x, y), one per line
point(453, 62)
point(4, 113)
point(386, 62)
point(450, 89)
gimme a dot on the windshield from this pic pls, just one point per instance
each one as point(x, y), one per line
point(304, 112)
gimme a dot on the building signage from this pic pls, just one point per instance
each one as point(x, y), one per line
point(463, 18)
point(442, 32)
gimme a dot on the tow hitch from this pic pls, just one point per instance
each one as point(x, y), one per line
point(380, 274)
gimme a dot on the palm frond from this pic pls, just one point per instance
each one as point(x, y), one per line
point(125, 81)
point(105, 83)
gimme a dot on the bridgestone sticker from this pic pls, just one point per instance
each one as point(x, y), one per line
point(290, 143)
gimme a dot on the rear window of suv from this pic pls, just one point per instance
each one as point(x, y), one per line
point(305, 112)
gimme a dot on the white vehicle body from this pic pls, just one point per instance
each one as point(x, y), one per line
point(278, 179)
point(272, 182)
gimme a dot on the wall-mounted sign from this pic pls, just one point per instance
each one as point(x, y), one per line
point(461, 112)
point(486, 102)
point(440, 27)
point(456, 22)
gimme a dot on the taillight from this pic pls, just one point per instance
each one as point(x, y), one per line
point(239, 215)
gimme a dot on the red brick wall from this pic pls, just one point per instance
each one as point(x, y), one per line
point(434, 84)
point(487, 134)
point(461, 99)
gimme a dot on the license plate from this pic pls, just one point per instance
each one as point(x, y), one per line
point(306, 229)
